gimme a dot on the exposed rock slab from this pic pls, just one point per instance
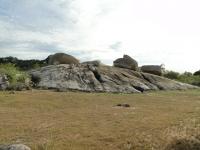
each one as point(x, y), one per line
point(4, 83)
point(91, 78)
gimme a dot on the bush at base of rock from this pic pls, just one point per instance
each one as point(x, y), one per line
point(18, 87)
point(171, 75)
point(13, 78)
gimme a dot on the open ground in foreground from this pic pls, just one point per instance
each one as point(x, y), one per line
point(46, 120)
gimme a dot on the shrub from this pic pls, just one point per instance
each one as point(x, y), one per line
point(194, 80)
point(189, 74)
point(14, 74)
point(197, 73)
point(171, 75)
point(186, 77)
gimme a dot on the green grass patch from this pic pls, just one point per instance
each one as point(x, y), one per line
point(13, 73)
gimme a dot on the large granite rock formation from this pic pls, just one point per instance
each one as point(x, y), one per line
point(90, 78)
point(14, 147)
point(61, 58)
point(4, 83)
point(126, 62)
point(153, 69)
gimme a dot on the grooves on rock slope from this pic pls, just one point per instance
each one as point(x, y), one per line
point(92, 78)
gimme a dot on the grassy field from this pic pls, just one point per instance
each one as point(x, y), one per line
point(47, 120)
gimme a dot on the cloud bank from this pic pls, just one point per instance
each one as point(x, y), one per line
point(151, 31)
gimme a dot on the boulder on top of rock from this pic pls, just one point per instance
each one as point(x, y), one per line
point(126, 62)
point(61, 58)
point(94, 63)
point(153, 69)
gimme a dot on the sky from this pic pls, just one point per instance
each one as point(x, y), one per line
point(153, 32)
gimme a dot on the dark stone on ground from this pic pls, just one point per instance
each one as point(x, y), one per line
point(123, 105)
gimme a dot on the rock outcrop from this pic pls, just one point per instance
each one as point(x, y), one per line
point(4, 83)
point(90, 78)
point(61, 58)
point(126, 62)
point(153, 69)
point(14, 147)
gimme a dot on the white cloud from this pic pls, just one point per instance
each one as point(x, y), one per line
point(151, 31)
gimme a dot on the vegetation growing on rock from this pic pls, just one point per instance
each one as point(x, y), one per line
point(89, 76)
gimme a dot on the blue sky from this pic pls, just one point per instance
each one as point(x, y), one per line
point(151, 31)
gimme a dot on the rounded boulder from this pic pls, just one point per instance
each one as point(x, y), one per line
point(61, 58)
point(126, 62)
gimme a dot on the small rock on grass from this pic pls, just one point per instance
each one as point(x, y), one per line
point(14, 147)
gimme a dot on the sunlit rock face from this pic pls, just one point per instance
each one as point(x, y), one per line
point(92, 78)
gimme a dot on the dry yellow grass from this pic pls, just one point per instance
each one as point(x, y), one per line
point(46, 120)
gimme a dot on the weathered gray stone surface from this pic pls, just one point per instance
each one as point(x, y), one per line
point(102, 79)
point(61, 58)
point(4, 83)
point(14, 147)
point(94, 63)
point(153, 69)
point(126, 62)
